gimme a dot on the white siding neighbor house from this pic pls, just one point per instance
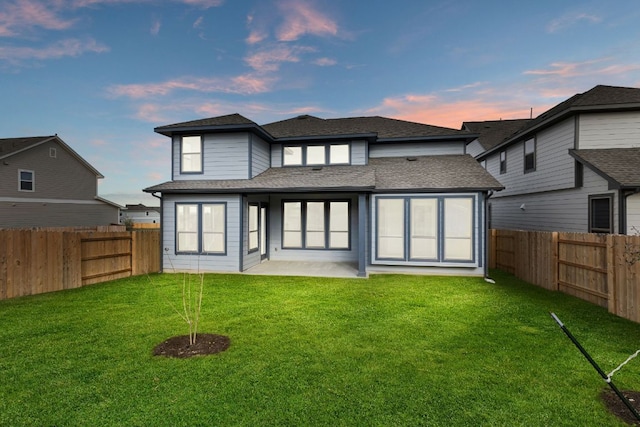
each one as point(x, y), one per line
point(378, 193)
point(574, 168)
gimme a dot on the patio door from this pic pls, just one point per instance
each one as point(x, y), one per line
point(264, 245)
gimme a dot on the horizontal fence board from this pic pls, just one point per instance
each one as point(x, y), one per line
point(34, 261)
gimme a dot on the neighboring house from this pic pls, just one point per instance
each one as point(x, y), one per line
point(140, 214)
point(574, 168)
point(45, 183)
point(382, 194)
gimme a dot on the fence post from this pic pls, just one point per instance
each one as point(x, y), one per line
point(554, 261)
point(611, 275)
point(493, 248)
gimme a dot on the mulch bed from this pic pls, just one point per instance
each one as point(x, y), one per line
point(618, 408)
point(205, 344)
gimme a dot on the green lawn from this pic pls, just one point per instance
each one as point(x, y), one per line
point(391, 350)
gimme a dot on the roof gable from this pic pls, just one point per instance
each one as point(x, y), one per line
point(619, 166)
point(493, 132)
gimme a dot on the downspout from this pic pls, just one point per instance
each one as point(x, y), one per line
point(486, 238)
point(622, 208)
point(161, 230)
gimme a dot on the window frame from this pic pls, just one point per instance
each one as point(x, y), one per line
point(31, 181)
point(441, 232)
point(503, 162)
point(591, 217)
point(200, 231)
point(304, 154)
point(183, 153)
point(251, 231)
point(326, 228)
point(532, 153)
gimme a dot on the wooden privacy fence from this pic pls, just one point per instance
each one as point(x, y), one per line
point(38, 261)
point(602, 269)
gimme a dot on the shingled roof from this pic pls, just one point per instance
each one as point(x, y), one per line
point(493, 132)
point(619, 166)
point(382, 127)
point(601, 98)
point(422, 173)
point(10, 146)
point(376, 128)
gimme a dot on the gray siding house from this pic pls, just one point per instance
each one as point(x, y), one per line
point(380, 194)
point(574, 168)
point(45, 183)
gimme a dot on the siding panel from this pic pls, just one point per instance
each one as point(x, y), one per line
point(260, 155)
point(225, 156)
point(610, 130)
point(415, 149)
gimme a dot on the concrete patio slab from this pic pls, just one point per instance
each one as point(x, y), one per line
point(305, 268)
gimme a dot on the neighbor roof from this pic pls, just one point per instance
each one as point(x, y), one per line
point(380, 129)
point(423, 173)
point(12, 146)
point(619, 166)
point(601, 98)
point(493, 132)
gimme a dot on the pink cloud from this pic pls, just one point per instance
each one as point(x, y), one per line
point(19, 16)
point(301, 18)
point(269, 59)
point(155, 27)
point(256, 36)
point(245, 84)
point(325, 62)
point(68, 47)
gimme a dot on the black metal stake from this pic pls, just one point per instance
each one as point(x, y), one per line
point(597, 368)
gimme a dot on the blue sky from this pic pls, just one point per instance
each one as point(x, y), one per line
point(103, 73)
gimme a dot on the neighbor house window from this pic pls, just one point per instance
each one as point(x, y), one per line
point(325, 224)
point(530, 155)
point(191, 154)
point(601, 214)
point(52, 152)
point(316, 155)
point(503, 162)
point(253, 227)
point(339, 154)
point(201, 228)
point(420, 229)
point(26, 180)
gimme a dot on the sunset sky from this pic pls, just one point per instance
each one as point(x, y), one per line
point(103, 73)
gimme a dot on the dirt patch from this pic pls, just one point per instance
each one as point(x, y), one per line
point(618, 408)
point(205, 344)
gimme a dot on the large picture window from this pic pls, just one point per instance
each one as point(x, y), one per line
point(315, 224)
point(425, 229)
point(201, 228)
point(191, 154)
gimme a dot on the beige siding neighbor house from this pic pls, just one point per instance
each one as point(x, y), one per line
point(45, 183)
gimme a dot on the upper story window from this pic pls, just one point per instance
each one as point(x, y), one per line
point(503, 162)
point(26, 180)
point(530, 155)
point(191, 154)
point(52, 152)
point(312, 155)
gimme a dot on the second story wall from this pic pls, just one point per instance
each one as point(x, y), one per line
point(260, 155)
point(554, 167)
point(609, 130)
point(224, 156)
point(401, 149)
point(56, 174)
point(474, 148)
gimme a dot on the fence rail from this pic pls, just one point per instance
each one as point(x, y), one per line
point(44, 260)
point(601, 269)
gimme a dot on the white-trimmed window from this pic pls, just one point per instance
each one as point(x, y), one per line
point(425, 228)
point(253, 227)
point(316, 154)
point(530, 155)
point(325, 224)
point(201, 228)
point(52, 152)
point(292, 156)
point(503, 162)
point(191, 154)
point(26, 180)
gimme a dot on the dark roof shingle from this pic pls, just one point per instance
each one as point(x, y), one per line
point(620, 166)
point(493, 132)
point(9, 146)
